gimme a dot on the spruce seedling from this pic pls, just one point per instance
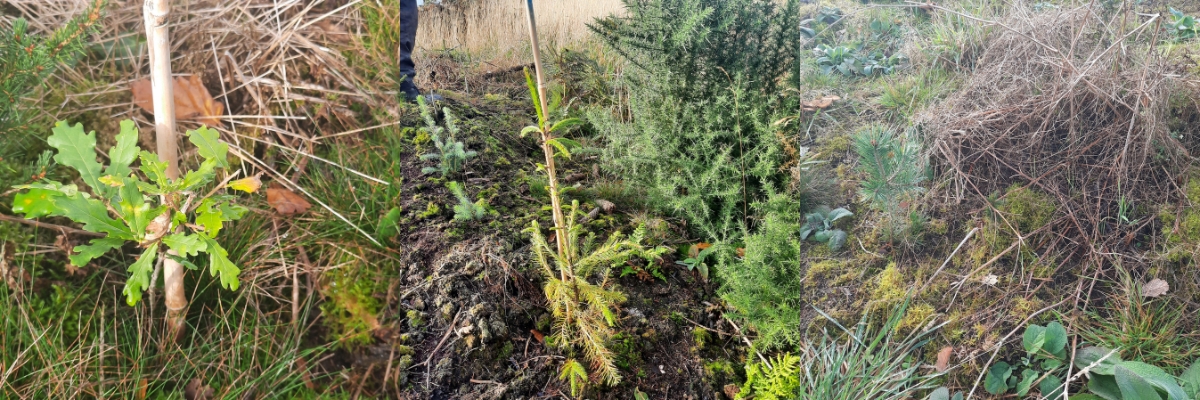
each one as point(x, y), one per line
point(451, 154)
point(579, 294)
point(465, 210)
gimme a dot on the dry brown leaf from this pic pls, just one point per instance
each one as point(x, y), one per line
point(695, 250)
point(741, 252)
point(943, 359)
point(192, 99)
point(143, 385)
point(197, 390)
point(608, 206)
point(820, 103)
point(286, 202)
point(731, 391)
point(1156, 287)
point(305, 374)
point(540, 337)
point(333, 31)
point(157, 227)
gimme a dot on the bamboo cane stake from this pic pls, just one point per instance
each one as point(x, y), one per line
point(159, 43)
point(555, 202)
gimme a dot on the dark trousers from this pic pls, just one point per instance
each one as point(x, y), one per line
point(408, 38)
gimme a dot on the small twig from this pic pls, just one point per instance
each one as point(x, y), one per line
point(956, 249)
point(363, 382)
point(486, 382)
point(63, 229)
point(707, 328)
point(748, 344)
point(429, 360)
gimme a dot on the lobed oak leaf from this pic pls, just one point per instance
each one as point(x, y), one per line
point(285, 201)
point(192, 99)
point(819, 103)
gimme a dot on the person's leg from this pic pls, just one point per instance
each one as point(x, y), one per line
point(408, 39)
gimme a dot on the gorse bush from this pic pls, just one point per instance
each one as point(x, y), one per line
point(765, 289)
point(26, 60)
point(702, 92)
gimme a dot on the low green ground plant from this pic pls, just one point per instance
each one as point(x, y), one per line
point(864, 362)
point(1044, 363)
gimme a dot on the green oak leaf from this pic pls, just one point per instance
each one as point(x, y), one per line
point(220, 265)
point(186, 245)
point(200, 176)
point(35, 203)
point(65, 190)
point(139, 275)
point(155, 169)
point(77, 150)
point(96, 248)
point(209, 217)
point(93, 215)
point(209, 145)
point(124, 152)
point(134, 209)
point(232, 212)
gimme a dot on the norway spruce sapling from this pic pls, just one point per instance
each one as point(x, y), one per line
point(579, 293)
point(153, 212)
point(451, 154)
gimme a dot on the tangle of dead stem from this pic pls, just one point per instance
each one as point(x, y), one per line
point(1077, 113)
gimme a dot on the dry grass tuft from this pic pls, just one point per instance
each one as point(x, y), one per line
point(1073, 104)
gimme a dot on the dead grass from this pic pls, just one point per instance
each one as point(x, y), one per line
point(1072, 104)
point(497, 29)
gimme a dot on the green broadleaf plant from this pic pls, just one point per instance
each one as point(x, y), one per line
point(1112, 378)
point(819, 228)
point(1045, 356)
point(154, 213)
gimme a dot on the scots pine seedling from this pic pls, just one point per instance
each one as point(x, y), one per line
point(451, 155)
point(153, 212)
